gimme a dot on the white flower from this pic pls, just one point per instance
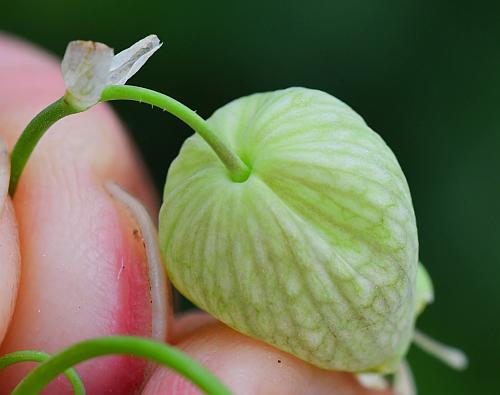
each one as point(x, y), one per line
point(88, 67)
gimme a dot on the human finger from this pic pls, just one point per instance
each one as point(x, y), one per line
point(85, 270)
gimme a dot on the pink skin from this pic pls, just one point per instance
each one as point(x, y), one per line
point(9, 246)
point(247, 366)
point(84, 270)
point(9, 265)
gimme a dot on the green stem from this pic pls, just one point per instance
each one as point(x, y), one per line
point(238, 170)
point(39, 356)
point(124, 345)
point(32, 134)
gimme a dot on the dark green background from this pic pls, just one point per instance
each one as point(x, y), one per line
point(424, 74)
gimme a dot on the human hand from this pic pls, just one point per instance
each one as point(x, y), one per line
point(84, 268)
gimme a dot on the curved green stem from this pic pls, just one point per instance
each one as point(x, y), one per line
point(39, 356)
point(125, 345)
point(238, 170)
point(32, 134)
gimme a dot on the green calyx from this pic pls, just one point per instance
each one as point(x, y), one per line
point(316, 252)
point(425, 290)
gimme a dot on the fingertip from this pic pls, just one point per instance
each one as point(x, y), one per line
point(17, 53)
point(248, 366)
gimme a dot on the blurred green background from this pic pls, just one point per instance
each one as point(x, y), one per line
point(424, 74)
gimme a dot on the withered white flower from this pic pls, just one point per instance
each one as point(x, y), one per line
point(88, 67)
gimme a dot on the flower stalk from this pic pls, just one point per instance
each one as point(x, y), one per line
point(32, 135)
point(161, 353)
point(39, 356)
point(238, 170)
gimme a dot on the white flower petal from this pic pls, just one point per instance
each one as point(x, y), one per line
point(126, 63)
point(372, 381)
point(451, 356)
point(404, 384)
point(85, 69)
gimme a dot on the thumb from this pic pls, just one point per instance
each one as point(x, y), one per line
point(84, 271)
